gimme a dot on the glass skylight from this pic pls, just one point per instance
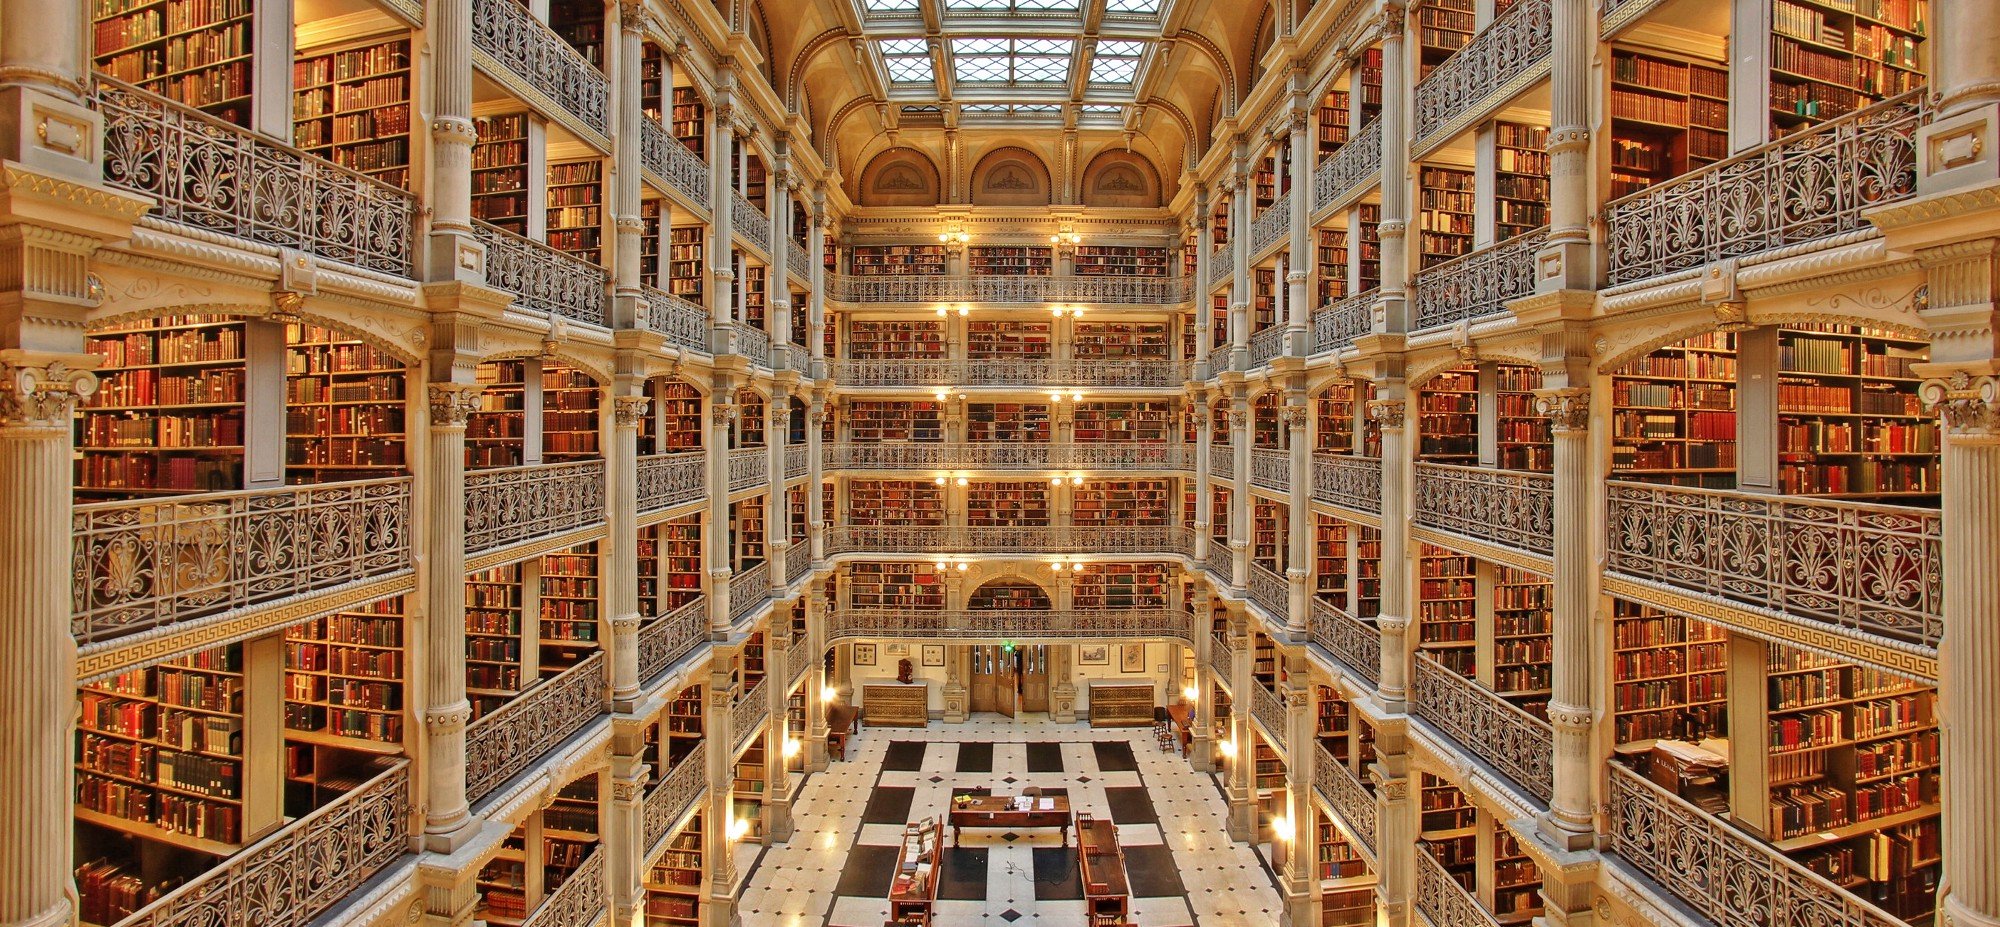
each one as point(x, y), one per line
point(1006, 6)
point(1102, 108)
point(890, 6)
point(1006, 109)
point(1132, 6)
point(1116, 62)
point(908, 60)
point(1012, 61)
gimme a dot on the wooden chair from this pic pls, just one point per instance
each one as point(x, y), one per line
point(1163, 734)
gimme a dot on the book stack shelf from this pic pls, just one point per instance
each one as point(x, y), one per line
point(674, 884)
point(1446, 816)
point(1009, 340)
point(493, 646)
point(1122, 341)
point(1447, 201)
point(569, 597)
point(1368, 269)
point(1333, 721)
point(677, 406)
point(1447, 608)
point(1332, 258)
point(1263, 660)
point(1334, 128)
point(495, 432)
point(581, 24)
point(1007, 421)
point(897, 260)
point(1371, 87)
point(1448, 418)
point(747, 787)
point(684, 262)
point(160, 752)
point(756, 181)
point(1339, 410)
point(871, 421)
point(755, 294)
point(1524, 436)
point(649, 243)
point(685, 727)
point(749, 430)
point(997, 261)
point(753, 661)
point(1367, 572)
point(1267, 534)
point(196, 54)
point(894, 502)
point(570, 830)
point(1668, 675)
point(650, 572)
point(503, 883)
point(1264, 183)
point(1669, 116)
point(1443, 27)
point(1517, 881)
point(576, 209)
point(1008, 595)
point(869, 339)
point(1347, 886)
point(1330, 537)
point(895, 585)
point(1218, 221)
point(1263, 299)
point(1133, 503)
point(1523, 651)
point(746, 532)
point(1121, 585)
point(1218, 514)
point(1110, 261)
point(1264, 430)
point(500, 171)
point(652, 81)
point(570, 400)
point(344, 676)
point(1023, 504)
point(1849, 418)
point(1270, 773)
point(351, 106)
point(1145, 422)
point(1520, 178)
point(167, 416)
point(1674, 418)
point(1832, 57)
point(690, 120)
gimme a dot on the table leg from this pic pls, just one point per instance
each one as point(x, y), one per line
point(956, 831)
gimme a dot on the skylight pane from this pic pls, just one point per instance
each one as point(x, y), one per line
point(965, 5)
point(889, 6)
point(978, 68)
point(1045, 4)
point(908, 61)
point(1043, 46)
point(1132, 6)
point(1113, 70)
point(1095, 108)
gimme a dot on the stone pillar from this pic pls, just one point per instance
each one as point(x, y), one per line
point(1300, 879)
point(1565, 261)
point(1397, 608)
point(1242, 207)
point(720, 294)
point(779, 287)
point(1965, 41)
point(627, 162)
point(1240, 439)
point(816, 413)
point(718, 846)
point(447, 822)
point(1397, 88)
point(625, 833)
point(1201, 748)
point(1297, 417)
point(777, 777)
point(1204, 274)
point(722, 414)
point(816, 299)
point(1062, 684)
point(1204, 485)
point(1570, 824)
point(454, 254)
point(1298, 295)
point(777, 514)
point(1397, 818)
point(622, 534)
point(817, 685)
point(957, 697)
point(1242, 783)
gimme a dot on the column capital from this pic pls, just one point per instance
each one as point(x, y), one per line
point(42, 390)
point(1968, 403)
point(452, 404)
point(629, 411)
point(1568, 408)
point(1295, 417)
point(1386, 413)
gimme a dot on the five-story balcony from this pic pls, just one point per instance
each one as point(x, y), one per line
point(1504, 59)
point(667, 480)
point(749, 467)
point(1508, 507)
point(1023, 290)
point(1271, 469)
point(524, 53)
point(1164, 540)
point(1340, 789)
point(1032, 456)
point(1267, 345)
point(1270, 591)
point(1006, 624)
point(750, 222)
point(981, 372)
point(1353, 642)
point(1271, 225)
point(544, 279)
point(500, 745)
point(1445, 903)
point(1479, 284)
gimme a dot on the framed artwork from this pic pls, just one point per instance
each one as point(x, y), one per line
point(864, 654)
point(897, 650)
point(1132, 658)
point(1093, 655)
point(933, 654)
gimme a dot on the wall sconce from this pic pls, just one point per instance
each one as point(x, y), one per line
point(1065, 239)
point(739, 828)
point(792, 747)
point(829, 694)
point(1075, 312)
point(1190, 694)
point(953, 237)
point(945, 395)
point(959, 565)
point(1057, 397)
point(1281, 828)
point(963, 311)
point(1228, 748)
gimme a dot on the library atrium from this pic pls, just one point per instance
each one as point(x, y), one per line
point(1397, 463)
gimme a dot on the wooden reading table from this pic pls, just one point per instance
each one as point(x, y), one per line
point(999, 811)
point(913, 891)
point(841, 722)
point(1106, 892)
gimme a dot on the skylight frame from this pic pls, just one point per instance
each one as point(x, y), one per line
point(1116, 62)
point(907, 62)
point(992, 61)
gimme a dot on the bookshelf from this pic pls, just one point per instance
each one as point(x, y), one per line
point(1334, 127)
point(1370, 105)
point(1267, 534)
point(1008, 594)
point(570, 400)
point(1674, 414)
point(1110, 261)
point(1007, 421)
point(569, 601)
point(1333, 720)
point(196, 54)
point(896, 260)
point(1146, 422)
point(1347, 893)
point(1447, 202)
point(1850, 422)
point(1448, 418)
point(1367, 572)
point(1517, 881)
point(1331, 256)
point(746, 532)
point(1523, 435)
point(495, 432)
point(1667, 674)
point(685, 726)
point(685, 270)
point(676, 423)
point(752, 179)
point(1523, 649)
point(1339, 409)
point(747, 787)
point(1520, 179)
point(690, 120)
point(1832, 57)
point(581, 24)
point(755, 293)
point(493, 646)
point(674, 883)
point(1264, 429)
point(895, 585)
point(894, 502)
point(1263, 299)
point(1330, 552)
point(1443, 27)
point(1446, 815)
point(500, 171)
point(1669, 116)
point(503, 882)
point(998, 261)
point(1447, 608)
point(160, 752)
point(570, 830)
point(870, 339)
point(168, 413)
point(1121, 341)
point(351, 106)
point(344, 675)
point(1009, 340)
point(1023, 504)
point(874, 420)
point(653, 75)
point(1136, 503)
point(1270, 773)
point(749, 431)
point(576, 209)
point(650, 243)
point(753, 661)
point(1121, 585)
point(1368, 263)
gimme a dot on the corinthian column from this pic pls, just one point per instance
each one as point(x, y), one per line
point(1394, 620)
point(1569, 825)
point(627, 162)
point(621, 527)
point(454, 254)
point(447, 821)
point(1299, 517)
point(1564, 262)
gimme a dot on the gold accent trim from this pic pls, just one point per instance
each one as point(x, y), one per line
point(534, 547)
point(1485, 550)
point(1776, 628)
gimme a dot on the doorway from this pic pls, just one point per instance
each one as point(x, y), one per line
point(996, 680)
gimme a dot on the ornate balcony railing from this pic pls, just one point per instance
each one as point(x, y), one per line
point(1352, 641)
point(1445, 903)
point(541, 59)
point(1008, 624)
point(798, 560)
point(1519, 745)
point(1126, 455)
point(1339, 787)
point(675, 794)
point(153, 562)
point(943, 372)
point(749, 467)
point(517, 503)
point(1221, 560)
point(579, 901)
point(1271, 591)
point(670, 159)
point(753, 343)
point(292, 876)
point(751, 223)
point(208, 174)
point(1271, 224)
point(1222, 657)
point(1357, 164)
point(1349, 481)
point(672, 636)
point(542, 278)
point(1271, 469)
point(1730, 878)
point(798, 656)
point(750, 711)
point(994, 455)
point(1867, 567)
point(1337, 326)
point(683, 323)
point(1269, 710)
point(1267, 345)
point(1221, 263)
point(797, 260)
point(667, 480)
point(1809, 185)
point(797, 462)
point(1509, 507)
point(1107, 290)
point(749, 589)
point(514, 736)
point(1221, 462)
point(1478, 284)
point(1497, 63)
point(1056, 539)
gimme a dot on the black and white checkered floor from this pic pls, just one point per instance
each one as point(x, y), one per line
point(1171, 821)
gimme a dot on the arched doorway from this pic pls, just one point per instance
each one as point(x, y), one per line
point(1009, 678)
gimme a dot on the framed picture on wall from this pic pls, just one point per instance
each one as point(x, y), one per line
point(864, 654)
point(933, 654)
point(1093, 655)
point(1132, 658)
point(897, 650)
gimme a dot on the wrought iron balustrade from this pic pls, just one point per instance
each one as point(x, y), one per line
point(518, 503)
point(1267, 344)
point(1222, 657)
point(1519, 745)
point(797, 462)
point(797, 261)
point(1479, 284)
point(1271, 591)
point(798, 656)
point(982, 624)
point(749, 589)
point(750, 222)
point(753, 343)
point(749, 467)
point(1861, 566)
point(1269, 710)
point(538, 57)
point(1356, 165)
point(683, 323)
point(1271, 469)
point(798, 560)
point(979, 372)
point(148, 563)
point(579, 901)
point(751, 709)
point(1080, 539)
point(1809, 185)
point(1348, 480)
point(1352, 641)
point(542, 278)
point(1221, 263)
point(1350, 799)
point(208, 174)
point(1097, 290)
point(1445, 903)
point(1221, 462)
point(1221, 560)
point(514, 736)
point(674, 796)
point(667, 480)
point(1338, 325)
point(1509, 507)
point(1496, 62)
point(672, 636)
point(1126, 455)
point(669, 158)
point(996, 455)
point(1270, 225)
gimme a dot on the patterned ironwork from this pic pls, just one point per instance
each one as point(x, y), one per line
point(750, 222)
point(1478, 284)
point(683, 323)
point(1267, 345)
point(671, 636)
point(798, 560)
point(1358, 164)
point(1350, 481)
point(1867, 567)
point(1729, 877)
point(1271, 469)
point(667, 480)
point(1270, 225)
point(1495, 63)
point(749, 467)
point(1510, 507)
point(518, 503)
point(753, 343)
point(1103, 291)
point(749, 589)
point(1221, 462)
point(1126, 455)
point(1221, 263)
point(1808, 185)
point(669, 159)
point(152, 562)
point(1222, 657)
point(539, 58)
point(1337, 326)
point(1269, 711)
point(1271, 591)
point(1445, 903)
point(1057, 539)
point(579, 901)
point(1011, 624)
point(674, 796)
point(994, 455)
point(516, 735)
point(751, 709)
point(1339, 787)
point(542, 278)
point(797, 462)
point(1355, 643)
point(798, 657)
point(1519, 745)
point(218, 177)
point(800, 263)
point(291, 877)
point(954, 372)
point(1222, 561)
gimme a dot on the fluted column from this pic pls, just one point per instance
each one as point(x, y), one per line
point(1569, 823)
point(454, 254)
point(777, 518)
point(1396, 105)
point(627, 161)
point(1204, 486)
point(1243, 209)
point(1298, 295)
point(778, 732)
point(1965, 43)
point(720, 294)
point(625, 831)
point(1201, 746)
point(1297, 417)
point(1394, 620)
point(722, 414)
point(816, 413)
point(1242, 786)
point(447, 821)
point(1204, 336)
point(718, 818)
point(1239, 490)
point(1301, 858)
point(816, 684)
point(779, 287)
point(816, 298)
point(1397, 819)
point(621, 478)
point(1565, 260)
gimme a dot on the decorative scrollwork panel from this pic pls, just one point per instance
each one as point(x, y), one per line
point(1478, 284)
point(1519, 745)
point(1349, 481)
point(544, 279)
point(1508, 507)
point(510, 739)
point(513, 504)
point(667, 480)
point(1353, 642)
point(1337, 326)
point(540, 58)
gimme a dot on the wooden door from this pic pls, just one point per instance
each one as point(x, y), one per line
point(985, 687)
point(1034, 677)
point(1009, 681)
